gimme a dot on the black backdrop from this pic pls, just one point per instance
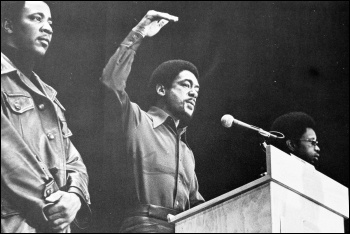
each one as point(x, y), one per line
point(257, 60)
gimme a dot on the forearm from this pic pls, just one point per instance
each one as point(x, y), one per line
point(117, 70)
point(195, 197)
point(77, 176)
point(77, 183)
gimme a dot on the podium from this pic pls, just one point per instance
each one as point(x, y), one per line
point(292, 197)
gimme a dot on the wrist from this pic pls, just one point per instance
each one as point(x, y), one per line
point(141, 30)
point(133, 40)
point(76, 197)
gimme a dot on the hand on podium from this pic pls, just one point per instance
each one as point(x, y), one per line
point(170, 218)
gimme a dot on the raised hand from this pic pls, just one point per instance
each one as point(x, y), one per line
point(152, 22)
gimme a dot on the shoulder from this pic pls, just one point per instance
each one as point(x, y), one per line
point(6, 65)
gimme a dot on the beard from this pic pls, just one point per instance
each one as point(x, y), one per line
point(180, 108)
point(315, 162)
point(185, 119)
point(184, 116)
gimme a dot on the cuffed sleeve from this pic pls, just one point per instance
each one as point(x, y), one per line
point(133, 40)
point(78, 183)
point(78, 179)
point(84, 215)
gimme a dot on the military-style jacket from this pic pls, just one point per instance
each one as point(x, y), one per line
point(37, 156)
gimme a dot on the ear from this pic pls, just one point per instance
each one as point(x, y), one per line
point(7, 26)
point(160, 90)
point(291, 145)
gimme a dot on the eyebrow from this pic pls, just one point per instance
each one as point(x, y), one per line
point(197, 86)
point(42, 15)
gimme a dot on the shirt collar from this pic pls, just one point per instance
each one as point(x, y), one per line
point(159, 116)
point(6, 65)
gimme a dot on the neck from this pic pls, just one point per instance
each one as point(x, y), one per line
point(23, 60)
point(166, 109)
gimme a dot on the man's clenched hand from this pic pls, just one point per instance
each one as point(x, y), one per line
point(63, 210)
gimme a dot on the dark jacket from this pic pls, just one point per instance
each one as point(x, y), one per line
point(37, 156)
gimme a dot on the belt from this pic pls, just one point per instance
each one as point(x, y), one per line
point(152, 211)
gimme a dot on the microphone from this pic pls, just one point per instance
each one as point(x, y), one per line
point(228, 120)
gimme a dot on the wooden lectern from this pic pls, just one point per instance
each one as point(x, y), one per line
point(292, 197)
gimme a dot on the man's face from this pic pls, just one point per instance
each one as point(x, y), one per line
point(182, 96)
point(306, 149)
point(32, 32)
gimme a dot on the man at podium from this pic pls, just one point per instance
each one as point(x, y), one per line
point(300, 136)
point(160, 166)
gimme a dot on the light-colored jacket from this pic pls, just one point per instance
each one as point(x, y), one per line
point(37, 156)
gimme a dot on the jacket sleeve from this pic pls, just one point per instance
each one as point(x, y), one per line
point(76, 172)
point(25, 180)
point(77, 182)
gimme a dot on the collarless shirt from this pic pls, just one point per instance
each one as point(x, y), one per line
point(161, 164)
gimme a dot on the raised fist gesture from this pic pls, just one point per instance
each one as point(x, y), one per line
point(152, 22)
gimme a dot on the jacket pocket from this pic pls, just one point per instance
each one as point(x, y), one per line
point(19, 103)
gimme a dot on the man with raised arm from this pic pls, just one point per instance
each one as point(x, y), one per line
point(160, 165)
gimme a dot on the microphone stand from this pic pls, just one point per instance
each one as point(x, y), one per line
point(264, 144)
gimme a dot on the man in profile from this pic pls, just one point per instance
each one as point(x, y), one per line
point(161, 177)
point(44, 182)
point(300, 136)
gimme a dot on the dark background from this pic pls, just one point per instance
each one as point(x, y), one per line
point(257, 60)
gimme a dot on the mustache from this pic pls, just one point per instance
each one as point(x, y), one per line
point(45, 38)
point(192, 101)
